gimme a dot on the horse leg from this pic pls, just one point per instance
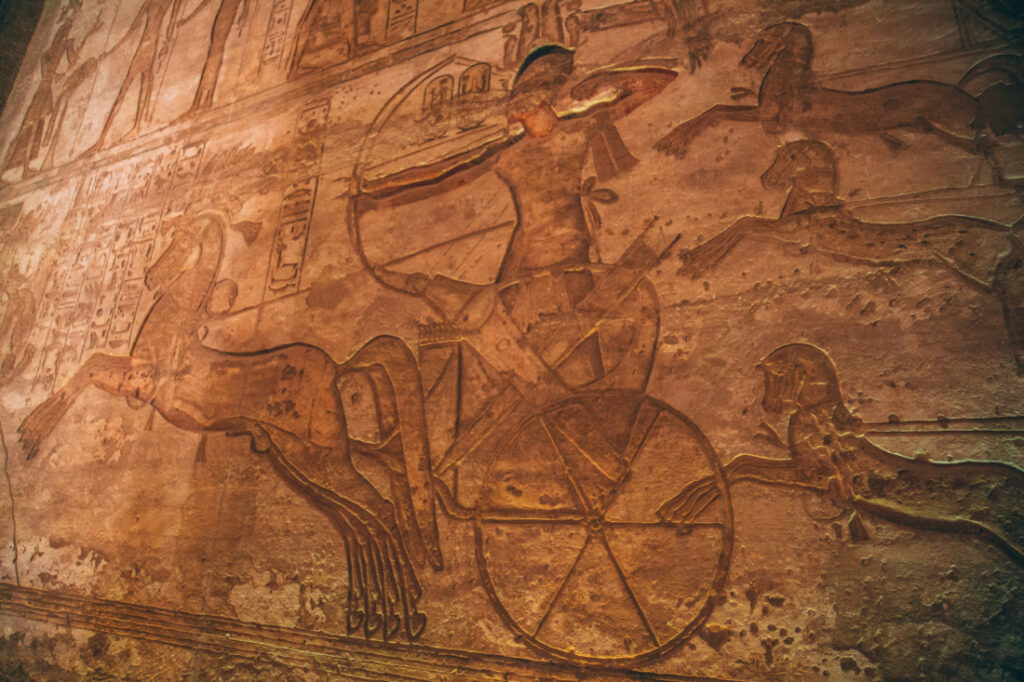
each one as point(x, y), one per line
point(678, 139)
point(366, 520)
point(114, 374)
point(897, 513)
point(413, 489)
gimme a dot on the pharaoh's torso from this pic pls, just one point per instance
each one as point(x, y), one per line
point(543, 175)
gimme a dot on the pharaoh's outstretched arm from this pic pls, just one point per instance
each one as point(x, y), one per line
point(390, 184)
point(619, 90)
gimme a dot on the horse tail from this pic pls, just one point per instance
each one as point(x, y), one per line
point(1006, 65)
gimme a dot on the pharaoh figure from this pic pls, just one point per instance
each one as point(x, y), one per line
point(540, 159)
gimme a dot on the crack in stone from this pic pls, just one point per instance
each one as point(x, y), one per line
point(14, 522)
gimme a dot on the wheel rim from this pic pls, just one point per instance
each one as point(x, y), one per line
point(590, 574)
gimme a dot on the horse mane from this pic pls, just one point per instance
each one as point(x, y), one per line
point(798, 40)
point(815, 151)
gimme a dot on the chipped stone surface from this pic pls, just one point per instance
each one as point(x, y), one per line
point(483, 339)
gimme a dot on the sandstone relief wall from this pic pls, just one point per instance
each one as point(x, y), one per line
point(483, 339)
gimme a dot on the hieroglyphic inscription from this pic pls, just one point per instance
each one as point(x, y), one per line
point(296, 212)
point(290, 239)
point(93, 298)
point(277, 29)
point(401, 18)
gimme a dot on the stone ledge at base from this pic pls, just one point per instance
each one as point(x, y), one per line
point(303, 649)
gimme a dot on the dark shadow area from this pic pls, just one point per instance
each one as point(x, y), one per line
point(18, 19)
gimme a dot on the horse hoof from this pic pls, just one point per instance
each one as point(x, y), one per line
point(373, 623)
point(415, 625)
point(391, 628)
point(355, 621)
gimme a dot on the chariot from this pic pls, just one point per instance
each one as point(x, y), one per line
point(542, 435)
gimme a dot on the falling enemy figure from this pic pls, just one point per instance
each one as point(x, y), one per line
point(831, 458)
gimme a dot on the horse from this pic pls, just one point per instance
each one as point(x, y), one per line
point(286, 400)
point(830, 457)
point(790, 98)
point(987, 255)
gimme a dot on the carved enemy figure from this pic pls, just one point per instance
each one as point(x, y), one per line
point(790, 98)
point(41, 123)
point(286, 400)
point(151, 17)
point(987, 255)
point(830, 457)
point(227, 12)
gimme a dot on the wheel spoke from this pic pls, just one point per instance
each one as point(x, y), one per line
point(561, 587)
point(636, 441)
point(629, 589)
point(576, 489)
point(583, 452)
point(641, 430)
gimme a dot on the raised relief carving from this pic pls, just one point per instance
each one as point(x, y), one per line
point(62, 75)
point(791, 99)
point(380, 338)
point(830, 457)
point(150, 33)
point(293, 414)
point(229, 12)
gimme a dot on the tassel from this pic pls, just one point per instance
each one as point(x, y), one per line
point(201, 449)
point(858, 531)
point(610, 153)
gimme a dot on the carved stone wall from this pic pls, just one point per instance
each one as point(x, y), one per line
point(484, 339)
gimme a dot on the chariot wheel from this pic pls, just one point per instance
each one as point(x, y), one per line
point(569, 545)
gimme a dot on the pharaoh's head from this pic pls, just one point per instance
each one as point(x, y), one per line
point(538, 84)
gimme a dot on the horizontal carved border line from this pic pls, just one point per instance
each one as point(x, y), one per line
point(353, 657)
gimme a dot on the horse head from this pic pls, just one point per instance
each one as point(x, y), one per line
point(196, 244)
point(179, 257)
point(807, 165)
point(788, 39)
